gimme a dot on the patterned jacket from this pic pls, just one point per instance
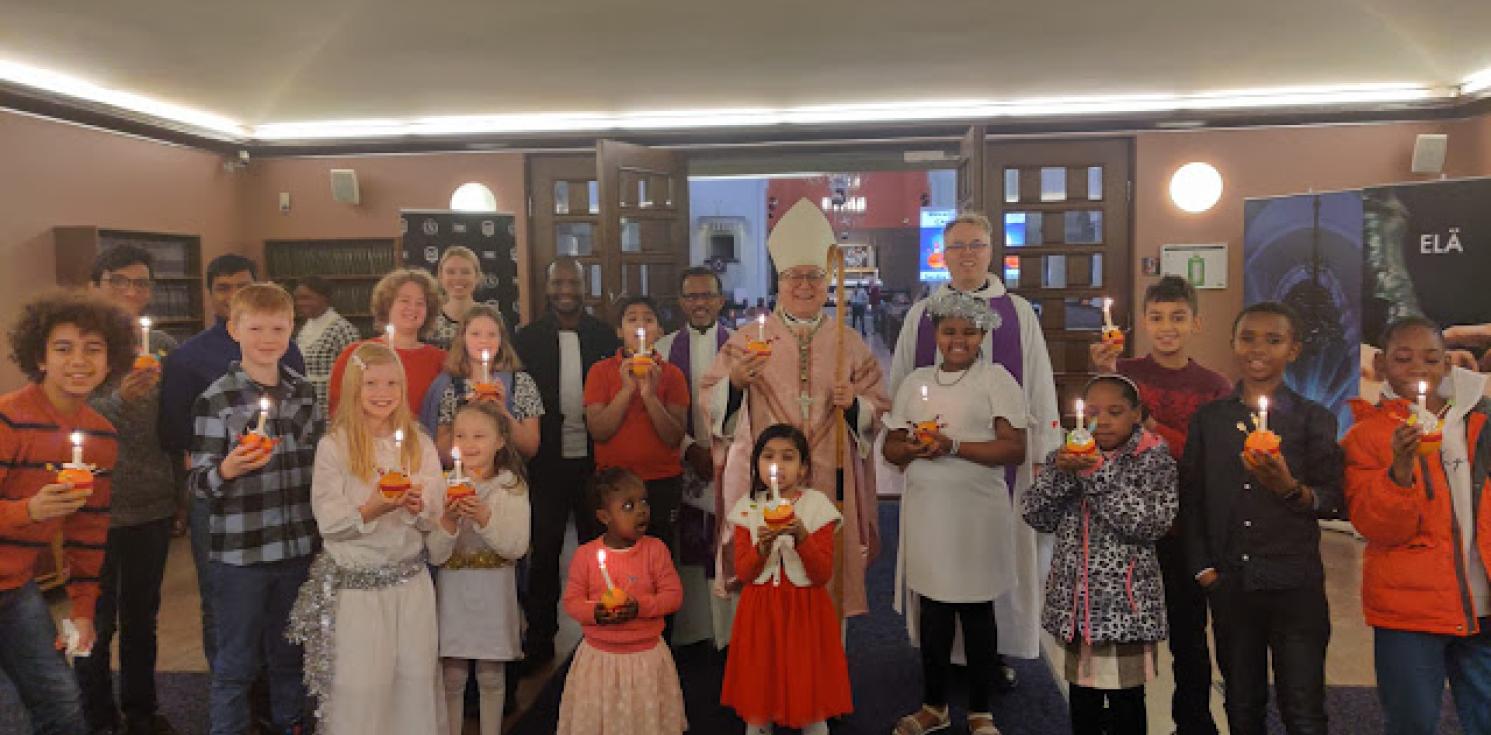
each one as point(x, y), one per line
point(1105, 583)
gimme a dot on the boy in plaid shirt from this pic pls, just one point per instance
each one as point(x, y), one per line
point(261, 527)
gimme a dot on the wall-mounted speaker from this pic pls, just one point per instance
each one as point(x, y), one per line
point(1428, 153)
point(344, 186)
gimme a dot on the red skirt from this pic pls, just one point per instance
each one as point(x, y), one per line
point(786, 664)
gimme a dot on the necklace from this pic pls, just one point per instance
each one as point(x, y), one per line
point(937, 376)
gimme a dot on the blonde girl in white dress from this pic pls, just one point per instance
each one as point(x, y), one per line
point(478, 542)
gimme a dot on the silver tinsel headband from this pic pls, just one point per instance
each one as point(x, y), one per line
point(956, 305)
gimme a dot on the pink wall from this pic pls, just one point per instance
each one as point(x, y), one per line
point(387, 184)
point(62, 174)
point(1266, 162)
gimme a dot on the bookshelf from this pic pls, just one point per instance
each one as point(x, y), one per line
point(176, 300)
point(352, 265)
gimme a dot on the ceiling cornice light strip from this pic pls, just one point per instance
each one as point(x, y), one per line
point(929, 110)
point(69, 86)
point(1477, 82)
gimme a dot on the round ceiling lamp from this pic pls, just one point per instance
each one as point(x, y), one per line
point(473, 197)
point(1196, 187)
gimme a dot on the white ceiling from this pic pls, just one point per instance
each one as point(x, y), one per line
point(266, 61)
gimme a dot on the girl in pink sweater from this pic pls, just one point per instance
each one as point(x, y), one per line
point(621, 585)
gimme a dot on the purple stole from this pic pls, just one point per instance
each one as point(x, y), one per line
point(1006, 350)
point(680, 354)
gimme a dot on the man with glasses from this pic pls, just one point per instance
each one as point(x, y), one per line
point(813, 370)
point(693, 349)
point(1019, 345)
point(146, 505)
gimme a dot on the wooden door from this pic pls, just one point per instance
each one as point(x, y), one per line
point(564, 218)
point(971, 172)
point(644, 224)
point(1061, 211)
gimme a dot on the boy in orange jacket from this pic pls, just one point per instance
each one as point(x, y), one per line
point(1426, 513)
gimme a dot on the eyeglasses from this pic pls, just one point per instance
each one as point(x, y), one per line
point(974, 246)
point(121, 283)
point(700, 296)
point(812, 277)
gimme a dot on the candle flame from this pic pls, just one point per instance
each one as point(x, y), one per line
point(924, 393)
point(77, 438)
point(773, 471)
point(761, 319)
point(398, 435)
point(600, 556)
point(144, 322)
point(486, 355)
point(455, 453)
point(1423, 387)
point(1107, 303)
point(264, 404)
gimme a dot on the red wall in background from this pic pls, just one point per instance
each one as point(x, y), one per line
point(892, 198)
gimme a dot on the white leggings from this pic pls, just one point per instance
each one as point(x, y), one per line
point(491, 683)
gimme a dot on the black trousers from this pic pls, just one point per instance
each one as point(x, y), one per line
point(1107, 711)
point(1291, 625)
point(557, 492)
point(1185, 607)
point(664, 496)
point(128, 602)
point(980, 641)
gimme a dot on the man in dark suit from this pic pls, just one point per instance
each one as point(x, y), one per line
point(558, 349)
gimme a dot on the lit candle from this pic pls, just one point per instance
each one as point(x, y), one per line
point(388, 330)
point(398, 446)
point(1263, 413)
point(455, 454)
point(761, 327)
point(1423, 396)
point(1107, 313)
point(144, 335)
point(600, 558)
point(77, 448)
point(1081, 413)
point(776, 491)
point(263, 413)
point(486, 362)
point(641, 335)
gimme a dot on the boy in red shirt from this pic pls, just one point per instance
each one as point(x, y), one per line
point(1171, 387)
point(67, 344)
point(638, 420)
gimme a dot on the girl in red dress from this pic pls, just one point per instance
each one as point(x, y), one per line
point(786, 664)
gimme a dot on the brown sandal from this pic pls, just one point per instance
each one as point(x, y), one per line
point(923, 721)
point(981, 723)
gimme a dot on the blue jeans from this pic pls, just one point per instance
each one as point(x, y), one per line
point(48, 690)
point(200, 516)
point(1412, 667)
point(253, 608)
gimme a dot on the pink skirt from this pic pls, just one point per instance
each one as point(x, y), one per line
point(622, 693)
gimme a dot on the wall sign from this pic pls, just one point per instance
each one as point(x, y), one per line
point(1204, 266)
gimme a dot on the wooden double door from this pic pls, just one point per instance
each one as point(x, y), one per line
point(1061, 215)
point(623, 213)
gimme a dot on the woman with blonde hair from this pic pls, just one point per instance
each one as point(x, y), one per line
point(405, 302)
point(459, 274)
point(367, 614)
point(484, 332)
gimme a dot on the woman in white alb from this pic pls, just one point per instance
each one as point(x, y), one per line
point(953, 426)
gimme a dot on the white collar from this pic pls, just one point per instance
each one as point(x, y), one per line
point(992, 288)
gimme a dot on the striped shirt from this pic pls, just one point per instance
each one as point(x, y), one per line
point(264, 516)
point(34, 443)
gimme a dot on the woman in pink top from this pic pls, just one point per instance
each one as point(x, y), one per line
point(621, 585)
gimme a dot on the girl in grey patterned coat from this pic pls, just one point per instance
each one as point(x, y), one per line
point(1105, 602)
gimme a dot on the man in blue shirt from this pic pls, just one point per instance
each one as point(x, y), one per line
point(188, 371)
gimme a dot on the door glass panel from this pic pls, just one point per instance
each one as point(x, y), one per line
point(1055, 272)
point(1097, 271)
point(1082, 314)
point(595, 281)
point(593, 190)
point(1084, 227)
point(561, 197)
point(1011, 270)
point(631, 236)
point(644, 194)
point(1011, 185)
point(574, 238)
point(1022, 228)
point(1095, 183)
point(1053, 184)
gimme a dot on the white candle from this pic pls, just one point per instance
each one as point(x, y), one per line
point(77, 448)
point(486, 362)
point(263, 413)
point(398, 446)
point(1263, 413)
point(388, 330)
point(641, 335)
point(144, 335)
point(776, 491)
point(600, 558)
point(761, 327)
point(1107, 313)
point(1423, 396)
point(455, 454)
point(1081, 413)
